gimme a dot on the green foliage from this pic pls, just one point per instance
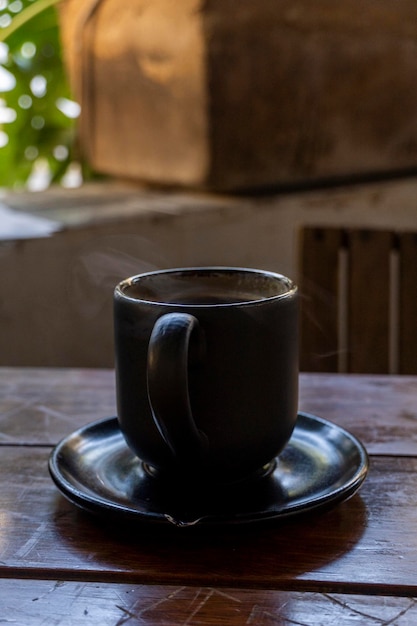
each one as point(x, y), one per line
point(38, 113)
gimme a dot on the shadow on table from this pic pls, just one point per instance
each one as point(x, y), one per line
point(246, 555)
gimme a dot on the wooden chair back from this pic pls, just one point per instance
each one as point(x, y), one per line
point(358, 300)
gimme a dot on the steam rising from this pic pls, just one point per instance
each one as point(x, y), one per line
point(102, 263)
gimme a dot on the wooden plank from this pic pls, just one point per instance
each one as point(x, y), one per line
point(66, 603)
point(368, 323)
point(407, 243)
point(364, 545)
point(380, 410)
point(318, 279)
point(41, 406)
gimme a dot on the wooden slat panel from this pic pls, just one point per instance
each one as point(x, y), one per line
point(408, 303)
point(318, 282)
point(368, 313)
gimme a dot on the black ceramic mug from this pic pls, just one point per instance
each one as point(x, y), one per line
point(207, 370)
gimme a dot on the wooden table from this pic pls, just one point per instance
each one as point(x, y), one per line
point(353, 564)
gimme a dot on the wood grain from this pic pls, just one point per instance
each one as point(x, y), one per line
point(319, 289)
point(369, 301)
point(407, 244)
point(327, 90)
point(366, 544)
point(66, 603)
point(353, 563)
point(41, 406)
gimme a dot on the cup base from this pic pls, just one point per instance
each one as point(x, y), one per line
point(191, 477)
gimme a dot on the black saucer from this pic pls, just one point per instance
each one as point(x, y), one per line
point(321, 465)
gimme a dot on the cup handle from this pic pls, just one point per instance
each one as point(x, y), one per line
point(175, 342)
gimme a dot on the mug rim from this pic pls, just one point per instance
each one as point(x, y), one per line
point(291, 287)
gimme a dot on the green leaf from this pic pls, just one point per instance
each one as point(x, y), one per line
point(40, 130)
point(25, 16)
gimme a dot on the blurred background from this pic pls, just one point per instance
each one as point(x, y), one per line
point(37, 110)
point(282, 136)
